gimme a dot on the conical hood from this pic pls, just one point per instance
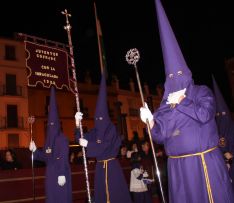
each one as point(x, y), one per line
point(102, 119)
point(221, 106)
point(53, 123)
point(223, 118)
point(178, 75)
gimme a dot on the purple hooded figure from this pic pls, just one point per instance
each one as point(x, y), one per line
point(103, 143)
point(185, 124)
point(225, 128)
point(55, 154)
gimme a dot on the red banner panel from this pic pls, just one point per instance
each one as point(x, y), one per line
point(47, 66)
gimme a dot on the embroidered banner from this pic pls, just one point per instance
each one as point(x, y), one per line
point(46, 66)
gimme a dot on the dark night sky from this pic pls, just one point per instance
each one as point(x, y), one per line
point(205, 32)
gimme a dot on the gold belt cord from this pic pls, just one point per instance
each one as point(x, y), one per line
point(105, 166)
point(201, 154)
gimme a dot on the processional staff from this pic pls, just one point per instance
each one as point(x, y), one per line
point(68, 27)
point(132, 57)
point(31, 120)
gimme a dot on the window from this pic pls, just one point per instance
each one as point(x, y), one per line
point(133, 112)
point(13, 140)
point(12, 116)
point(10, 52)
point(132, 103)
point(11, 84)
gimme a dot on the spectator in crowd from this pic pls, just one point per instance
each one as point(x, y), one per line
point(146, 152)
point(123, 152)
point(134, 148)
point(147, 162)
point(10, 161)
point(80, 157)
point(139, 180)
point(228, 159)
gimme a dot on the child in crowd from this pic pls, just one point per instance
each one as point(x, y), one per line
point(139, 180)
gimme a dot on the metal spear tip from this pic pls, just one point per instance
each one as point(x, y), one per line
point(132, 56)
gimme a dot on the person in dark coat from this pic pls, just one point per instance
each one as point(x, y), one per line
point(185, 124)
point(103, 143)
point(10, 162)
point(56, 156)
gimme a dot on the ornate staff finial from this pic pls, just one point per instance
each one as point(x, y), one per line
point(67, 15)
point(132, 56)
point(31, 119)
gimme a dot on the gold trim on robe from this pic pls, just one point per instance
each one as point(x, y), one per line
point(202, 155)
point(105, 166)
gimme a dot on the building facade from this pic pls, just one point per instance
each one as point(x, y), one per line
point(18, 102)
point(14, 129)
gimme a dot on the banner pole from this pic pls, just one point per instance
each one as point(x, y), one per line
point(31, 120)
point(68, 29)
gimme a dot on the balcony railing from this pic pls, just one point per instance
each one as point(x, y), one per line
point(17, 91)
point(7, 123)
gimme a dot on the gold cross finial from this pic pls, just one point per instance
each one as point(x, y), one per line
point(67, 15)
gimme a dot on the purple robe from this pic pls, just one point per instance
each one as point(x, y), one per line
point(230, 148)
point(225, 126)
point(190, 128)
point(57, 164)
point(105, 149)
point(226, 132)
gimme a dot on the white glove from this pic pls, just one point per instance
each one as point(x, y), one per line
point(83, 142)
point(78, 117)
point(173, 98)
point(61, 180)
point(32, 146)
point(145, 113)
